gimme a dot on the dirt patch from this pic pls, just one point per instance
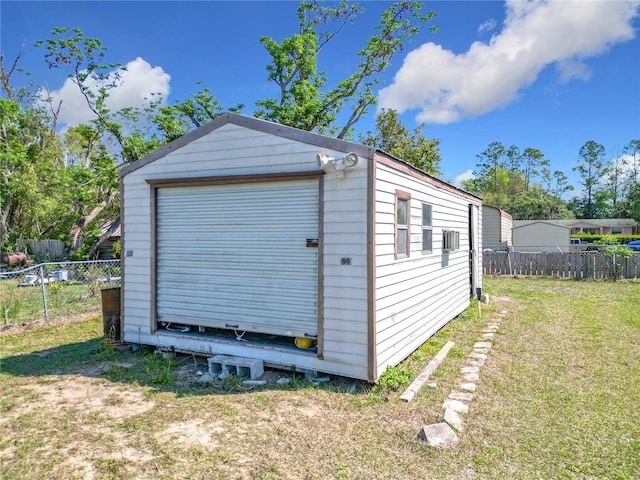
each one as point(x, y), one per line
point(92, 395)
point(195, 433)
point(102, 369)
point(500, 299)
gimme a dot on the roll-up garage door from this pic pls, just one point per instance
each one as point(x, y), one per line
point(240, 256)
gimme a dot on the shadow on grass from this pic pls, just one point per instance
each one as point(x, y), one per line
point(145, 367)
point(60, 360)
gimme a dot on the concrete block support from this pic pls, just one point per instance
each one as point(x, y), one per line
point(225, 365)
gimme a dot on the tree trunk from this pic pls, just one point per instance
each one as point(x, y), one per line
point(4, 215)
point(77, 228)
point(95, 248)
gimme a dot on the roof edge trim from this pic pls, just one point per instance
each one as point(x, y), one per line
point(321, 141)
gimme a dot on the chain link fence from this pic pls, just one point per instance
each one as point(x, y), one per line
point(53, 290)
point(60, 289)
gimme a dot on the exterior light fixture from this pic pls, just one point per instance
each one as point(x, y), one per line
point(350, 160)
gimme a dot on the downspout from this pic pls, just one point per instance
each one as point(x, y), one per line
point(371, 272)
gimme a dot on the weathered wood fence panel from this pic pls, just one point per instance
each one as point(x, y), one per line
point(557, 264)
point(50, 250)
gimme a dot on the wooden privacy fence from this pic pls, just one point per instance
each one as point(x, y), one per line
point(50, 250)
point(42, 249)
point(558, 264)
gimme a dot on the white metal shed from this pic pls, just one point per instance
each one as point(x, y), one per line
point(540, 236)
point(240, 237)
point(496, 227)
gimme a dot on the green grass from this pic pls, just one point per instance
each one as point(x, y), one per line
point(557, 398)
point(24, 304)
point(561, 382)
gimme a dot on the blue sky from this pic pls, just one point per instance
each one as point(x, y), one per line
point(546, 75)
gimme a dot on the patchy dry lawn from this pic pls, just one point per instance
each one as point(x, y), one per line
point(557, 398)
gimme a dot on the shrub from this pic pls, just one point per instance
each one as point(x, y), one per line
point(617, 239)
point(396, 377)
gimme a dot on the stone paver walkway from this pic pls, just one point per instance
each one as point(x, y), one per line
point(443, 434)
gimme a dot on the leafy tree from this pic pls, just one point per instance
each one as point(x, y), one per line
point(591, 170)
point(504, 178)
point(491, 163)
point(498, 176)
point(393, 138)
point(632, 151)
point(614, 254)
point(485, 186)
point(95, 151)
point(538, 204)
point(533, 162)
point(303, 100)
point(601, 205)
point(513, 165)
point(631, 204)
point(556, 183)
point(29, 151)
point(92, 186)
point(15, 165)
point(178, 119)
point(51, 187)
point(614, 183)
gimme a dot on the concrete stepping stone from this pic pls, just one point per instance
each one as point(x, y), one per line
point(462, 396)
point(454, 420)
point(468, 387)
point(456, 406)
point(438, 435)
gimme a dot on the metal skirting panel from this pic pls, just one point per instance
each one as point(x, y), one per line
point(239, 256)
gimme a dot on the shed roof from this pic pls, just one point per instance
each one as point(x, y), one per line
point(526, 223)
point(604, 222)
point(502, 212)
point(104, 228)
point(265, 126)
point(596, 222)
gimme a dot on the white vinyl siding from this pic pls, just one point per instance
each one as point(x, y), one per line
point(506, 228)
point(541, 236)
point(360, 291)
point(249, 267)
point(237, 150)
point(497, 226)
point(491, 226)
point(417, 295)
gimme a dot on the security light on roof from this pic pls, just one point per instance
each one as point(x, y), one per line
point(350, 160)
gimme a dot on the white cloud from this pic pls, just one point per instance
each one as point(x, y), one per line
point(570, 69)
point(137, 84)
point(463, 177)
point(448, 87)
point(487, 26)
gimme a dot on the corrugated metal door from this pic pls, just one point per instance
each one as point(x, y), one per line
point(241, 256)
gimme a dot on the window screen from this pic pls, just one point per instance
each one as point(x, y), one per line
point(427, 228)
point(403, 217)
point(450, 240)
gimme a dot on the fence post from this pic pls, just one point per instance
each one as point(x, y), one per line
point(44, 294)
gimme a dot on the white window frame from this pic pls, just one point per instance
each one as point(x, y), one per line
point(450, 241)
point(402, 228)
point(427, 228)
